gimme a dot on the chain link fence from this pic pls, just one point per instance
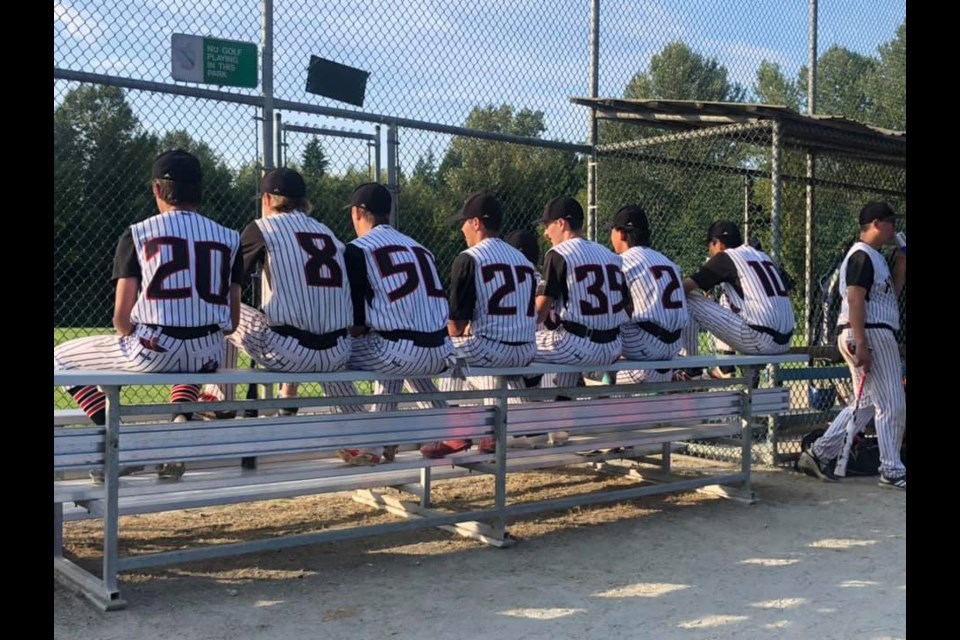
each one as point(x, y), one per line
point(472, 95)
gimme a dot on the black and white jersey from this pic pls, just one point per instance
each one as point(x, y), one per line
point(866, 267)
point(493, 286)
point(655, 288)
point(586, 281)
point(753, 285)
point(186, 264)
point(304, 275)
point(394, 283)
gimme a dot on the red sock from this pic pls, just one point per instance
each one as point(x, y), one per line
point(185, 393)
point(93, 403)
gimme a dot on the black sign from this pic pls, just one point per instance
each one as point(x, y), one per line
point(337, 81)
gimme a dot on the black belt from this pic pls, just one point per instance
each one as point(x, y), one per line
point(600, 336)
point(870, 325)
point(779, 338)
point(319, 342)
point(419, 338)
point(666, 337)
point(187, 333)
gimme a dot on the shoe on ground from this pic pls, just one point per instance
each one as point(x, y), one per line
point(182, 417)
point(716, 373)
point(292, 411)
point(97, 474)
point(898, 482)
point(171, 470)
point(488, 445)
point(390, 453)
point(359, 457)
point(211, 393)
point(810, 465)
point(557, 438)
point(444, 448)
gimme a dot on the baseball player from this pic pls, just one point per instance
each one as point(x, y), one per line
point(399, 307)
point(307, 309)
point(659, 305)
point(584, 283)
point(178, 278)
point(492, 320)
point(759, 319)
point(868, 321)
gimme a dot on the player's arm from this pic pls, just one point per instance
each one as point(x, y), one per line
point(859, 278)
point(463, 294)
point(126, 273)
point(236, 288)
point(718, 269)
point(360, 289)
point(553, 286)
point(253, 248)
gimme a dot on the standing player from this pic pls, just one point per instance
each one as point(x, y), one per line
point(659, 306)
point(307, 308)
point(759, 319)
point(399, 308)
point(869, 319)
point(178, 278)
point(492, 316)
point(583, 282)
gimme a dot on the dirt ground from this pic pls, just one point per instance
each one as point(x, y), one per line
point(809, 560)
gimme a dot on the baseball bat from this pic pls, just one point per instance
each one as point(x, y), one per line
point(851, 431)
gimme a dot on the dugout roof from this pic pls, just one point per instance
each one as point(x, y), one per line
point(833, 135)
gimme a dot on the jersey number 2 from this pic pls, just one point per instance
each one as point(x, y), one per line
point(180, 261)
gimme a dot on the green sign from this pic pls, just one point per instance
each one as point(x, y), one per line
point(212, 61)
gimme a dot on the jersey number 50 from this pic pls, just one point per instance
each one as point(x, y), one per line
point(423, 259)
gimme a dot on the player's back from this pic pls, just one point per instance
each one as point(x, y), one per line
point(407, 291)
point(185, 261)
point(597, 295)
point(765, 301)
point(505, 283)
point(304, 276)
point(882, 301)
point(655, 288)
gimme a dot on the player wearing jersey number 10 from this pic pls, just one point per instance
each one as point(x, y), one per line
point(399, 307)
point(492, 317)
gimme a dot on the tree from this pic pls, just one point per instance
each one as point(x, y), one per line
point(772, 87)
point(844, 81)
point(315, 161)
point(889, 84)
point(680, 73)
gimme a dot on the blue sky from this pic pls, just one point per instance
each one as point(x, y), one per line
point(434, 60)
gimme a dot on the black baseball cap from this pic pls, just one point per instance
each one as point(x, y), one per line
point(283, 182)
point(373, 197)
point(177, 165)
point(631, 216)
point(480, 205)
point(525, 242)
point(726, 231)
point(877, 211)
point(562, 208)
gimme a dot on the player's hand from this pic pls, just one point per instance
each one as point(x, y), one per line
point(862, 357)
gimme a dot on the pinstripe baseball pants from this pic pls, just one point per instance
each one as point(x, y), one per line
point(483, 352)
point(139, 352)
point(561, 347)
point(373, 352)
point(731, 328)
point(642, 345)
point(883, 399)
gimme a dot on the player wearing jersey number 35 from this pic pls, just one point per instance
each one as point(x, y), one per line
point(178, 278)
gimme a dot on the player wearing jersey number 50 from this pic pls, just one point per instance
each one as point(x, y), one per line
point(399, 307)
point(585, 281)
point(178, 278)
point(492, 317)
point(307, 309)
point(868, 321)
point(659, 305)
point(760, 318)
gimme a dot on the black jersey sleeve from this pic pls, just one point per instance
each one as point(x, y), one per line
point(360, 289)
point(463, 287)
point(717, 270)
point(125, 263)
point(860, 271)
point(555, 276)
point(253, 248)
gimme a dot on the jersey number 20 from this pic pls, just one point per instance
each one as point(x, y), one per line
point(203, 252)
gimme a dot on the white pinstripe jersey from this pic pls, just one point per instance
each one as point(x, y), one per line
point(407, 292)
point(882, 306)
point(304, 276)
point(506, 285)
point(185, 262)
point(655, 287)
point(596, 287)
point(765, 301)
